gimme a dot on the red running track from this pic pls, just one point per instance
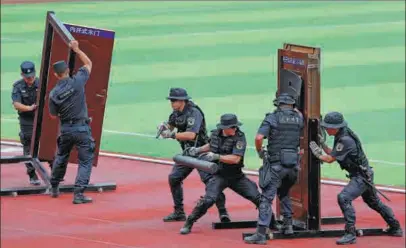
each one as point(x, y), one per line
point(131, 216)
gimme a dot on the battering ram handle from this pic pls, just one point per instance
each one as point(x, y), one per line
point(191, 162)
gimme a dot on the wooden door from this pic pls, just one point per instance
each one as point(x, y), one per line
point(98, 45)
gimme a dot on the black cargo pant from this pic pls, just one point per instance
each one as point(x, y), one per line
point(25, 139)
point(358, 187)
point(180, 173)
point(81, 137)
point(278, 181)
point(217, 184)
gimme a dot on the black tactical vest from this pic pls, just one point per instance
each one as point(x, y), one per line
point(181, 123)
point(28, 97)
point(287, 133)
point(224, 146)
point(352, 163)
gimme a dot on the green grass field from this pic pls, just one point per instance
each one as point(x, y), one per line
point(224, 54)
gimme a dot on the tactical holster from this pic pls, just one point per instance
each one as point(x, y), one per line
point(288, 158)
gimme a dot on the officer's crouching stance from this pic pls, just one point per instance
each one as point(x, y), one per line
point(190, 122)
point(348, 152)
point(67, 100)
point(226, 147)
point(281, 159)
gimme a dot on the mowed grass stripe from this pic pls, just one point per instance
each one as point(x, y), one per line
point(125, 9)
point(113, 6)
point(136, 30)
point(253, 83)
point(371, 125)
point(244, 65)
point(244, 16)
point(380, 97)
point(243, 36)
point(132, 73)
point(133, 55)
point(11, 14)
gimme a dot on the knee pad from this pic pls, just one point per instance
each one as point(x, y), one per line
point(343, 200)
point(264, 206)
point(205, 202)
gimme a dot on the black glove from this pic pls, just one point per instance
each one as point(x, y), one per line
point(192, 151)
point(210, 157)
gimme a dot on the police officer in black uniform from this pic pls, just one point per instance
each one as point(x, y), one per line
point(67, 100)
point(24, 98)
point(226, 148)
point(189, 120)
point(348, 152)
point(280, 170)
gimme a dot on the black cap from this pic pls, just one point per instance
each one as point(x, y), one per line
point(60, 66)
point(178, 94)
point(27, 69)
point(333, 120)
point(228, 121)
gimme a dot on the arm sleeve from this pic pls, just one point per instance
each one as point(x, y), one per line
point(266, 125)
point(16, 94)
point(81, 76)
point(194, 121)
point(52, 107)
point(343, 148)
point(240, 146)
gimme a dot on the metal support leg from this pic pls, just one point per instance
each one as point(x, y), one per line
point(332, 220)
point(321, 234)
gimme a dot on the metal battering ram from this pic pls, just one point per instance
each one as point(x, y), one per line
point(196, 163)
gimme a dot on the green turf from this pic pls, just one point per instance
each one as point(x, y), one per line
point(224, 53)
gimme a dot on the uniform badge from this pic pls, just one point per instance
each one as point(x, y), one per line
point(339, 147)
point(190, 121)
point(239, 145)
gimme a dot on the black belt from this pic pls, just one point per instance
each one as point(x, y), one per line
point(76, 121)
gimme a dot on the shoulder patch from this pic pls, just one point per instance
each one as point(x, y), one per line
point(191, 121)
point(239, 144)
point(339, 146)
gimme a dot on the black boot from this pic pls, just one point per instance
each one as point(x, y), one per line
point(187, 227)
point(178, 215)
point(224, 217)
point(34, 179)
point(350, 236)
point(258, 238)
point(287, 226)
point(79, 197)
point(55, 191)
point(395, 230)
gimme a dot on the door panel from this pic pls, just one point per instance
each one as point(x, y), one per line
point(297, 59)
point(98, 45)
